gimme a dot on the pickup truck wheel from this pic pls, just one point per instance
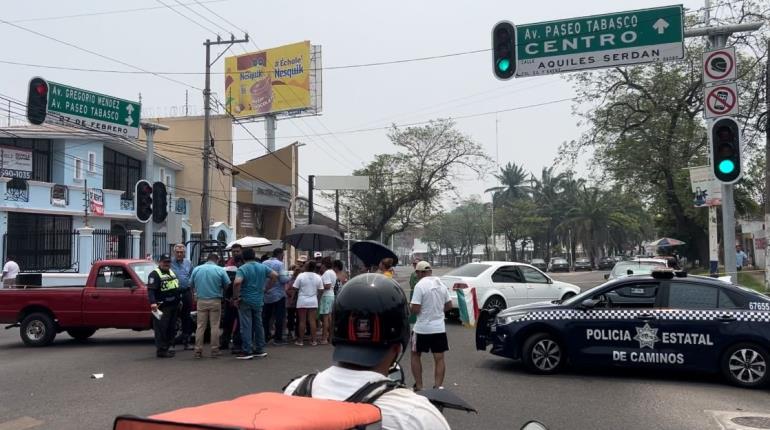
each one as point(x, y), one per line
point(37, 329)
point(81, 333)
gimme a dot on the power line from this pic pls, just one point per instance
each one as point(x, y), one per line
point(186, 17)
point(108, 12)
point(204, 17)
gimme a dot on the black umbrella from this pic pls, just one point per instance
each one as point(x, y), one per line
point(314, 237)
point(371, 252)
point(445, 399)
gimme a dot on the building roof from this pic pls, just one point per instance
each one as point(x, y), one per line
point(132, 147)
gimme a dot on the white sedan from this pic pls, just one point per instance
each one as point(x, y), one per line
point(504, 284)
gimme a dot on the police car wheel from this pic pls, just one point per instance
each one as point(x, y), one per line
point(745, 365)
point(543, 354)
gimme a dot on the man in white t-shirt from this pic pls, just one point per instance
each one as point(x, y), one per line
point(429, 302)
point(371, 329)
point(10, 271)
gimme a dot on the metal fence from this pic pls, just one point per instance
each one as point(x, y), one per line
point(51, 251)
point(159, 245)
point(109, 245)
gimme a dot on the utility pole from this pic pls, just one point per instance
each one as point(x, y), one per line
point(270, 126)
point(337, 209)
point(206, 203)
point(717, 38)
point(310, 180)
point(767, 166)
point(149, 174)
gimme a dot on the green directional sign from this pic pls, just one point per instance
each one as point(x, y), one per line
point(608, 40)
point(82, 108)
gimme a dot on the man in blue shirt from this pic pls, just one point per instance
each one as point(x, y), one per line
point(249, 295)
point(275, 299)
point(209, 282)
point(182, 268)
point(740, 257)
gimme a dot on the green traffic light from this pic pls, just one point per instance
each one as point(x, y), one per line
point(504, 64)
point(726, 166)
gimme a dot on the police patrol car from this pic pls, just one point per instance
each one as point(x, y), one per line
point(663, 320)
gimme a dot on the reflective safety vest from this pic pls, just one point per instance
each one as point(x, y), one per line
point(169, 285)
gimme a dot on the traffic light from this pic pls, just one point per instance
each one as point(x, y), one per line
point(37, 100)
point(726, 150)
point(504, 50)
point(144, 201)
point(159, 202)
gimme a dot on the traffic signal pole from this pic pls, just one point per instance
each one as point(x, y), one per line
point(149, 173)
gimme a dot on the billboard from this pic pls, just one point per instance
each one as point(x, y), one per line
point(270, 81)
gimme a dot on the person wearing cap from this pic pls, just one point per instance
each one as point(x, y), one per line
point(209, 282)
point(370, 333)
point(429, 302)
point(164, 295)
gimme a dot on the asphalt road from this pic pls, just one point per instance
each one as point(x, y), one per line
point(52, 388)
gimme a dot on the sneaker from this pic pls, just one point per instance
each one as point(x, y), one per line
point(235, 351)
point(164, 354)
point(313, 343)
point(244, 356)
point(298, 343)
point(261, 354)
point(279, 343)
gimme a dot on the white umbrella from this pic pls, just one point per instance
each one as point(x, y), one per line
point(250, 242)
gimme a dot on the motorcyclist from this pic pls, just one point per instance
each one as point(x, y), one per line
point(371, 331)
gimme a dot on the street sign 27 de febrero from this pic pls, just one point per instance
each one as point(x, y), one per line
point(608, 40)
point(82, 108)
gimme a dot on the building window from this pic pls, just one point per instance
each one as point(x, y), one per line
point(41, 242)
point(167, 180)
point(91, 162)
point(41, 155)
point(78, 168)
point(163, 175)
point(121, 172)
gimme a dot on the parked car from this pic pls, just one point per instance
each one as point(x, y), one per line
point(503, 284)
point(539, 263)
point(558, 265)
point(583, 264)
point(607, 263)
point(638, 266)
point(114, 296)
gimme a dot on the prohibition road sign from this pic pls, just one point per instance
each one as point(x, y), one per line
point(719, 65)
point(721, 100)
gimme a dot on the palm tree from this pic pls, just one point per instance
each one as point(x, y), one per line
point(547, 192)
point(590, 219)
point(514, 183)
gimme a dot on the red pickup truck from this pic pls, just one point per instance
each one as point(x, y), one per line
point(115, 296)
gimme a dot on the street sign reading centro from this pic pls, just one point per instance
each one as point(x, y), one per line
point(592, 42)
point(81, 108)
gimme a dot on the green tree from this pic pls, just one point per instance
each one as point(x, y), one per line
point(407, 186)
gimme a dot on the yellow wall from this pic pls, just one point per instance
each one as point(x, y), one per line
point(183, 143)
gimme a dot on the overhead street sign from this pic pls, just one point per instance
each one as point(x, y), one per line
point(615, 39)
point(719, 65)
point(721, 100)
point(82, 108)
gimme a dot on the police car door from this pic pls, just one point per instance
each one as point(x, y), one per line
point(620, 325)
point(693, 328)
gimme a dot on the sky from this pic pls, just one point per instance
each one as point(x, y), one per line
point(160, 39)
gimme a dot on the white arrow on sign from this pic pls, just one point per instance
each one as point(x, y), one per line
point(130, 110)
point(661, 25)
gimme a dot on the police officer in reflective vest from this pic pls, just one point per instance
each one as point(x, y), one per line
point(165, 295)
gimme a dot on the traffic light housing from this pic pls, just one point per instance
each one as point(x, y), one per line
point(504, 50)
point(159, 202)
point(143, 201)
point(37, 101)
point(726, 150)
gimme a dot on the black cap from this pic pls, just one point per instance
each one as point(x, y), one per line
point(164, 257)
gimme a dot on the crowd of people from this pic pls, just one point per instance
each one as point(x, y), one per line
point(367, 319)
point(257, 300)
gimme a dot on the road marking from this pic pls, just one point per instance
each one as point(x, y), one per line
point(725, 419)
point(22, 423)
